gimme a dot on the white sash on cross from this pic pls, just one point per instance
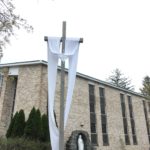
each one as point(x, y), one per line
point(71, 53)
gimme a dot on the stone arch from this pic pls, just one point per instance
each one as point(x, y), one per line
point(72, 142)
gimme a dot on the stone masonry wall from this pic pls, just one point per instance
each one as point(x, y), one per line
point(29, 89)
point(3, 89)
point(115, 120)
point(6, 103)
point(43, 100)
point(79, 114)
point(32, 91)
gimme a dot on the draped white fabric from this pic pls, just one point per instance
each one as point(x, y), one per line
point(71, 52)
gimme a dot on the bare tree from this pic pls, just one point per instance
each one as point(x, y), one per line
point(9, 21)
point(118, 79)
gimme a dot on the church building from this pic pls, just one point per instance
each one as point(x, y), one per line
point(110, 117)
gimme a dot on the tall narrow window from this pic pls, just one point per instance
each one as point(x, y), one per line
point(132, 120)
point(14, 86)
point(149, 107)
point(103, 117)
point(125, 123)
point(1, 82)
point(92, 115)
point(146, 119)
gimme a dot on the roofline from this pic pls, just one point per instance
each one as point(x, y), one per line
point(23, 63)
point(109, 84)
point(36, 62)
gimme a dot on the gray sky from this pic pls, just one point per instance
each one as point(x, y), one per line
point(116, 34)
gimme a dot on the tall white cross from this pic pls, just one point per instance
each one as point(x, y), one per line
point(62, 92)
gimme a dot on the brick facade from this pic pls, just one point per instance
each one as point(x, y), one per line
point(31, 91)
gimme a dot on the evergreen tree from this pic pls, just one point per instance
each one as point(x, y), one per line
point(33, 125)
point(9, 131)
point(45, 129)
point(19, 125)
point(30, 124)
point(38, 121)
point(146, 87)
point(119, 80)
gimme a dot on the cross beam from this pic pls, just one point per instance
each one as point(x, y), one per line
point(46, 39)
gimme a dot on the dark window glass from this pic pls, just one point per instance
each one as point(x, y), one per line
point(102, 109)
point(91, 89)
point(93, 117)
point(146, 119)
point(92, 107)
point(92, 99)
point(123, 109)
point(14, 93)
point(101, 92)
point(103, 118)
point(131, 111)
point(105, 140)
point(1, 80)
point(134, 140)
point(93, 128)
point(129, 100)
point(127, 141)
point(123, 105)
point(125, 123)
point(149, 106)
point(94, 139)
point(133, 126)
point(125, 126)
point(133, 130)
point(104, 129)
point(149, 138)
point(130, 106)
point(132, 121)
point(145, 112)
point(102, 101)
point(122, 98)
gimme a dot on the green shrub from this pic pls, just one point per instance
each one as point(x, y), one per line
point(19, 125)
point(45, 129)
point(12, 122)
point(30, 125)
point(33, 125)
point(38, 121)
point(35, 129)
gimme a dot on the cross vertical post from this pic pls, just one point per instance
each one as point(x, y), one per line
point(62, 88)
point(62, 91)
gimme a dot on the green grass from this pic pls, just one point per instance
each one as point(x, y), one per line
point(22, 144)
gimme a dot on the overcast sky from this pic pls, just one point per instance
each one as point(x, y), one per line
point(116, 34)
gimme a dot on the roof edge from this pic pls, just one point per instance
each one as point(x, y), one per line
point(36, 62)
